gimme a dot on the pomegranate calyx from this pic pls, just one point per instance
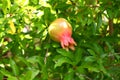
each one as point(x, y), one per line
point(68, 42)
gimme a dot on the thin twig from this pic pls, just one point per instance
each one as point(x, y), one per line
point(47, 54)
point(113, 54)
point(83, 76)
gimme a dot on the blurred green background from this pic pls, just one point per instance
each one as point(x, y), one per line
point(28, 53)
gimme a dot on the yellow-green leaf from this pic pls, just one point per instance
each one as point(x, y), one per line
point(12, 27)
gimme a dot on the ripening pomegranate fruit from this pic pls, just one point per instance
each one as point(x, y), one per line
point(60, 30)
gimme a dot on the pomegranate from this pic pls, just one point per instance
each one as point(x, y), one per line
point(60, 30)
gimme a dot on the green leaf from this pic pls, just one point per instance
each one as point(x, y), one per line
point(14, 67)
point(23, 61)
point(35, 1)
point(4, 72)
point(36, 59)
point(110, 13)
point(61, 61)
point(8, 74)
point(6, 5)
point(99, 22)
point(46, 46)
point(102, 68)
point(69, 75)
point(97, 48)
point(21, 2)
point(47, 16)
point(66, 53)
point(78, 55)
point(14, 8)
point(12, 78)
point(31, 74)
point(90, 59)
point(91, 52)
point(92, 67)
point(80, 69)
point(44, 73)
point(28, 75)
point(55, 45)
point(57, 57)
point(1, 76)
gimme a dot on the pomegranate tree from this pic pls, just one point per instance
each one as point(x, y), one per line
point(60, 30)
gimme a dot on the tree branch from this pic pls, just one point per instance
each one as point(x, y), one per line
point(111, 29)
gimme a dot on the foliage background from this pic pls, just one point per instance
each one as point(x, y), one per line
point(28, 53)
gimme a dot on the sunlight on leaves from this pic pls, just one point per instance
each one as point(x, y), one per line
point(12, 27)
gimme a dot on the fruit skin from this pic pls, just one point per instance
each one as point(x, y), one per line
point(60, 30)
